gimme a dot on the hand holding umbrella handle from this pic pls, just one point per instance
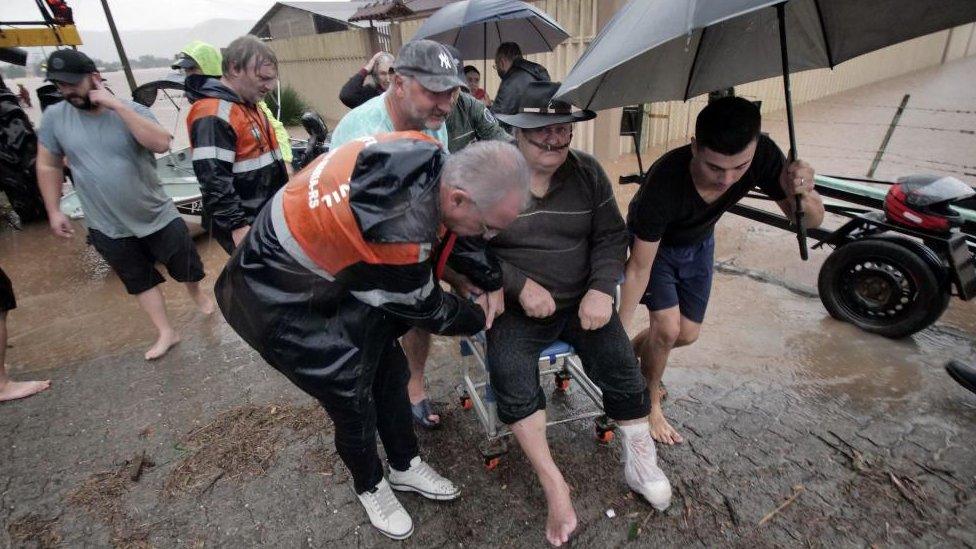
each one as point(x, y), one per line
point(801, 231)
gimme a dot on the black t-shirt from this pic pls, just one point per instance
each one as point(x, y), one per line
point(668, 208)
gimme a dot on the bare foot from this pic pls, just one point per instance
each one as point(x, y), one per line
point(204, 304)
point(661, 430)
point(163, 344)
point(562, 518)
point(12, 390)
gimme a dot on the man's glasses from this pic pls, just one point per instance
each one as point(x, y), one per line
point(563, 132)
point(487, 231)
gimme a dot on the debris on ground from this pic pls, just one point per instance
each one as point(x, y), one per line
point(797, 490)
point(34, 531)
point(101, 497)
point(241, 442)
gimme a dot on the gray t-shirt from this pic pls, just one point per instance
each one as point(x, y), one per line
point(114, 175)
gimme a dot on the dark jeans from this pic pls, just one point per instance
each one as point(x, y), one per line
point(350, 360)
point(385, 409)
point(514, 344)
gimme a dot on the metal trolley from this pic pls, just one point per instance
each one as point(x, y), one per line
point(559, 368)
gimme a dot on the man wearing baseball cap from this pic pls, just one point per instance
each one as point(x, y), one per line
point(421, 96)
point(109, 143)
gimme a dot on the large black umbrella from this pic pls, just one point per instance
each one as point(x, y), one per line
point(661, 50)
point(478, 27)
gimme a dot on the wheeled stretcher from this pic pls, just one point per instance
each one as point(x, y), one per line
point(571, 395)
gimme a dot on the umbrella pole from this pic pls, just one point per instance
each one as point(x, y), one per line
point(801, 231)
point(485, 51)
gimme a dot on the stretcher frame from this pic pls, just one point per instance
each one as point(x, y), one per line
point(559, 360)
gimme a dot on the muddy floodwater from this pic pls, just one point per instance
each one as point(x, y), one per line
point(800, 430)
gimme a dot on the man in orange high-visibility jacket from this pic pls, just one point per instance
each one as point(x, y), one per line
point(342, 262)
point(236, 155)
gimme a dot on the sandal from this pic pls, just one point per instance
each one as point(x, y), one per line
point(421, 414)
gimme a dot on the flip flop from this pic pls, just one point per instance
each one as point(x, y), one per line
point(421, 412)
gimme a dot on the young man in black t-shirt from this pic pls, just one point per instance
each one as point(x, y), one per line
point(672, 220)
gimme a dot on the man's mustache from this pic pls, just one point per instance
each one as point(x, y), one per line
point(547, 147)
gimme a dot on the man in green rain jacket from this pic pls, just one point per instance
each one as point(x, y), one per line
point(202, 58)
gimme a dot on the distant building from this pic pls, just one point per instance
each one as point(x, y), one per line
point(392, 10)
point(290, 19)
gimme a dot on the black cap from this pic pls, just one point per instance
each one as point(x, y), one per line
point(70, 66)
point(431, 64)
point(537, 109)
point(184, 61)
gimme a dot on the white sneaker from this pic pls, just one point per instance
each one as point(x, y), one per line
point(424, 480)
point(640, 466)
point(385, 511)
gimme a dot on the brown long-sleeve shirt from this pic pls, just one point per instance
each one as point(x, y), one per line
point(571, 240)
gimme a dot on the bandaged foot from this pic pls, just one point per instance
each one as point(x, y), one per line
point(640, 466)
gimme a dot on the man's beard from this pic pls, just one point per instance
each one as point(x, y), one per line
point(423, 121)
point(86, 104)
point(434, 126)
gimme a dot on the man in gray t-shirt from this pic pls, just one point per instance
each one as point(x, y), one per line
point(109, 144)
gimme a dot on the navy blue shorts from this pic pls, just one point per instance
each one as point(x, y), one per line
point(682, 276)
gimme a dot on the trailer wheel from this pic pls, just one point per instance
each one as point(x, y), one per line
point(881, 287)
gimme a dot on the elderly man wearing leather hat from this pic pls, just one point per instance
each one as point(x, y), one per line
point(561, 260)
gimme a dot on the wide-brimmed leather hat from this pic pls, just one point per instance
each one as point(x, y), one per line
point(537, 109)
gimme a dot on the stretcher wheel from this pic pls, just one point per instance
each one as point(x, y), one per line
point(466, 402)
point(562, 382)
point(605, 436)
point(492, 462)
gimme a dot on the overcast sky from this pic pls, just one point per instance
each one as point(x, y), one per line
point(144, 14)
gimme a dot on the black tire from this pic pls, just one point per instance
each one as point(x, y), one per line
point(882, 287)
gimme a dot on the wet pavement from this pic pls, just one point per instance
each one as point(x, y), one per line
point(800, 430)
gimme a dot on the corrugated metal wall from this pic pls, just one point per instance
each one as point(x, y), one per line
point(317, 66)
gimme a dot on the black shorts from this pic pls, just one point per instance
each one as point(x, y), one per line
point(134, 259)
point(7, 301)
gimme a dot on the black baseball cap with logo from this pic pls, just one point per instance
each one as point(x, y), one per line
point(431, 64)
point(69, 66)
point(184, 61)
